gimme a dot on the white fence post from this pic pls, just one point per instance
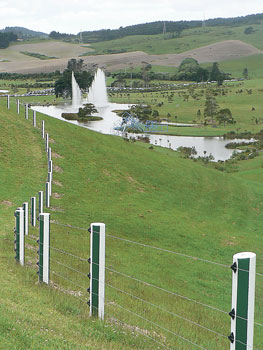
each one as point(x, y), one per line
point(43, 129)
point(34, 119)
point(26, 111)
point(18, 106)
point(46, 142)
point(47, 194)
point(25, 208)
point(44, 247)
point(243, 301)
point(33, 211)
point(49, 154)
point(97, 270)
point(40, 202)
point(50, 166)
point(8, 102)
point(49, 179)
point(19, 234)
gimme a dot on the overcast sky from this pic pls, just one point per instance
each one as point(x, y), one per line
point(73, 16)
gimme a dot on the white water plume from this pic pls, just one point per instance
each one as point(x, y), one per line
point(98, 90)
point(76, 93)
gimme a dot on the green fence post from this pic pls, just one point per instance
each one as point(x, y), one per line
point(44, 248)
point(19, 236)
point(243, 301)
point(33, 211)
point(25, 208)
point(97, 270)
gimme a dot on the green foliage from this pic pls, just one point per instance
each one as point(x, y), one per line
point(6, 38)
point(87, 111)
point(211, 108)
point(224, 116)
point(249, 30)
point(142, 111)
point(37, 55)
point(63, 86)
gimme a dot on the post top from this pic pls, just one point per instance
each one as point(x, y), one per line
point(244, 255)
point(97, 224)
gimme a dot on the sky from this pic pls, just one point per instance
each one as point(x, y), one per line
point(73, 16)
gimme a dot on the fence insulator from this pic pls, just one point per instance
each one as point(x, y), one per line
point(44, 247)
point(40, 202)
point(33, 211)
point(25, 208)
point(243, 301)
point(97, 270)
point(20, 239)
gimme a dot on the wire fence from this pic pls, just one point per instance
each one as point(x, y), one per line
point(83, 276)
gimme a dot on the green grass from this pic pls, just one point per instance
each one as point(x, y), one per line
point(240, 105)
point(189, 39)
point(150, 196)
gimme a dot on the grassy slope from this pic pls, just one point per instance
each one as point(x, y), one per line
point(190, 39)
point(151, 196)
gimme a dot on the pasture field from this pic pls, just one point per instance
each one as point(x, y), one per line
point(189, 39)
point(151, 196)
point(182, 110)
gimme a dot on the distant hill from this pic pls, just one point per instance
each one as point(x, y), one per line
point(24, 33)
point(170, 27)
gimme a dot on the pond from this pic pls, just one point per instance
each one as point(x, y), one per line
point(204, 146)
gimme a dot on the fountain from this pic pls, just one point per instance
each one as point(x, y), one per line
point(76, 93)
point(98, 91)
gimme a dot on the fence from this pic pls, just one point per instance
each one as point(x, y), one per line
point(145, 305)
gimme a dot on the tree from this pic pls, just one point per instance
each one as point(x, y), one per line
point(84, 79)
point(87, 111)
point(225, 116)
point(245, 73)
point(211, 108)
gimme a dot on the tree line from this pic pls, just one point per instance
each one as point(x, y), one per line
point(157, 27)
point(6, 38)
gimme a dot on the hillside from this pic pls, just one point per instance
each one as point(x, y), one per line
point(146, 195)
point(24, 33)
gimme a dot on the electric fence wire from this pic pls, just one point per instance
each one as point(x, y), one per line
point(156, 248)
point(146, 283)
point(149, 303)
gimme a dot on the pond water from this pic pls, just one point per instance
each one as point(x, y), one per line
point(204, 145)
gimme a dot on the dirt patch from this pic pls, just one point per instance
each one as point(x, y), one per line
point(57, 169)
point(57, 209)
point(52, 141)
point(57, 183)
point(7, 203)
point(105, 172)
point(57, 195)
point(1, 150)
point(134, 182)
point(221, 51)
point(56, 155)
point(66, 291)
